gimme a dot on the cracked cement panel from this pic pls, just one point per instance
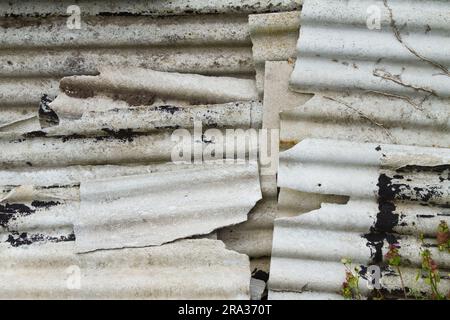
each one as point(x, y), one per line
point(161, 207)
point(404, 55)
point(186, 269)
point(187, 87)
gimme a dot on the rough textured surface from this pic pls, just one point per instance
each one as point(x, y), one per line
point(324, 164)
point(187, 87)
point(352, 116)
point(92, 116)
point(161, 207)
point(274, 36)
point(368, 117)
point(253, 237)
point(339, 49)
point(38, 48)
point(399, 196)
point(187, 269)
point(44, 8)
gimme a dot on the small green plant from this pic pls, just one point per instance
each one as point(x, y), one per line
point(350, 287)
point(430, 273)
point(443, 237)
point(394, 260)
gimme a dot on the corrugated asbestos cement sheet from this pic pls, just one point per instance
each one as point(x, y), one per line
point(381, 80)
point(32, 8)
point(162, 207)
point(186, 269)
point(92, 179)
point(398, 194)
point(274, 36)
point(37, 47)
point(366, 71)
point(115, 120)
point(395, 50)
point(128, 116)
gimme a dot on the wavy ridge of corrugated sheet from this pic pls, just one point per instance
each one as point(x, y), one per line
point(196, 36)
point(186, 269)
point(92, 116)
point(338, 48)
point(158, 208)
point(39, 205)
point(254, 237)
point(274, 37)
point(119, 136)
point(399, 195)
point(44, 8)
point(368, 117)
point(186, 87)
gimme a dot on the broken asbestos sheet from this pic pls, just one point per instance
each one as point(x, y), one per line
point(185, 269)
point(325, 165)
point(148, 84)
point(156, 208)
point(39, 204)
point(342, 45)
point(274, 37)
point(99, 114)
point(399, 197)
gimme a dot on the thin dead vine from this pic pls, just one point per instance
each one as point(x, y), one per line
point(363, 116)
point(414, 52)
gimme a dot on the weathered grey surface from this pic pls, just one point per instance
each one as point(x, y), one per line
point(339, 49)
point(92, 116)
point(253, 237)
point(399, 194)
point(38, 48)
point(125, 31)
point(187, 269)
point(185, 87)
point(121, 147)
point(161, 207)
point(324, 164)
point(368, 117)
point(352, 116)
point(163, 8)
point(40, 205)
point(274, 37)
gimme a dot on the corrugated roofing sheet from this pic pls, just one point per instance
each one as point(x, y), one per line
point(403, 53)
point(38, 47)
point(44, 204)
point(133, 118)
point(397, 195)
point(31, 8)
point(274, 36)
point(126, 120)
point(186, 269)
point(158, 208)
point(352, 115)
point(360, 82)
point(366, 71)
